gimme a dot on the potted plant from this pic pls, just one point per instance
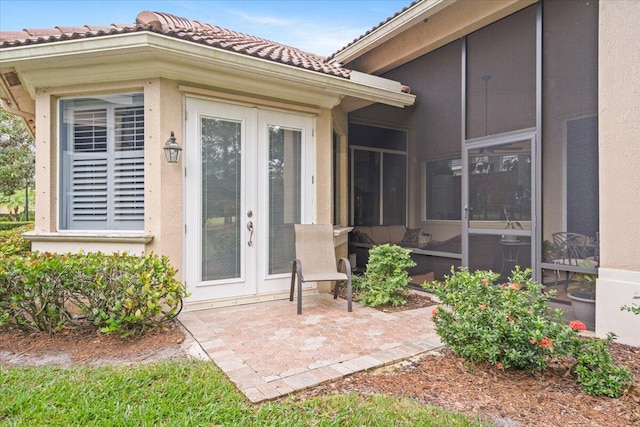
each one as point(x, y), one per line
point(510, 225)
point(583, 299)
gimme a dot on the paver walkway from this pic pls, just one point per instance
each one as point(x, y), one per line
point(269, 351)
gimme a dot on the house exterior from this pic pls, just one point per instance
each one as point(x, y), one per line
point(459, 118)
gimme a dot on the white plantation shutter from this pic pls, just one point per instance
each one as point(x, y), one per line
point(103, 167)
point(89, 191)
point(128, 170)
point(128, 189)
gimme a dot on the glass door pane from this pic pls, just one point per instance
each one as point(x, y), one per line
point(221, 199)
point(285, 190)
point(499, 177)
point(500, 185)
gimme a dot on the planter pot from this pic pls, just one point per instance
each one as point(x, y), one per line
point(584, 309)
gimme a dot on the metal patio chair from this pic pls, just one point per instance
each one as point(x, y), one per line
point(575, 250)
point(316, 261)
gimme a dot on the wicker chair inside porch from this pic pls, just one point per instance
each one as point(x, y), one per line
point(316, 261)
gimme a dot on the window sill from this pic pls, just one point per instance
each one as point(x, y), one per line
point(90, 237)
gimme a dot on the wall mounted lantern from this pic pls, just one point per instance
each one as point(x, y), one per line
point(172, 149)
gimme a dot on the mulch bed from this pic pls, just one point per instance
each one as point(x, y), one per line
point(508, 398)
point(415, 299)
point(86, 346)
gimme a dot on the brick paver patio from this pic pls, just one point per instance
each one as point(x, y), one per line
point(269, 351)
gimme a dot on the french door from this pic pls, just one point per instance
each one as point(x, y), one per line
point(498, 194)
point(249, 178)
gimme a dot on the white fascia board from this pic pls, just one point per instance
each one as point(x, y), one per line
point(412, 16)
point(40, 61)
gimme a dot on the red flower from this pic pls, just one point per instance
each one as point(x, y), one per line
point(532, 341)
point(515, 286)
point(483, 307)
point(577, 325)
point(434, 312)
point(499, 365)
point(485, 281)
point(545, 343)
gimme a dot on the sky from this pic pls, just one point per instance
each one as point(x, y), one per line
point(321, 27)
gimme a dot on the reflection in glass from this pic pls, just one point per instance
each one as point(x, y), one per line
point(221, 187)
point(285, 185)
point(500, 182)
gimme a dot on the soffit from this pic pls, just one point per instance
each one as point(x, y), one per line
point(411, 37)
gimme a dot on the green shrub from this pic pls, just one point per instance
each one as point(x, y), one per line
point(33, 293)
point(10, 225)
point(507, 325)
point(634, 308)
point(385, 280)
point(12, 242)
point(128, 294)
point(595, 369)
point(119, 293)
point(511, 326)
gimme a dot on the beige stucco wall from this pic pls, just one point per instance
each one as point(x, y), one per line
point(619, 133)
point(341, 128)
point(324, 167)
point(46, 165)
point(163, 209)
point(163, 181)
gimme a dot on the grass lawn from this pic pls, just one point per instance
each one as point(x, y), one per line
point(184, 393)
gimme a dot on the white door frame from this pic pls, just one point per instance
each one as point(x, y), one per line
point(254, 278)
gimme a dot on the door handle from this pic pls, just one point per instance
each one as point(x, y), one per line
point(250, 228)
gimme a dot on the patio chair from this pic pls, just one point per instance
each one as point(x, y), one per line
point(316, 261)
point(575, 250)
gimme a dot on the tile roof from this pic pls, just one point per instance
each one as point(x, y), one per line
point(184, 29)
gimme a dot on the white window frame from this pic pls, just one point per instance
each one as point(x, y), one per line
point(110, 184)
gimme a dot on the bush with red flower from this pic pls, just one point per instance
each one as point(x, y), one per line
point(512, 326)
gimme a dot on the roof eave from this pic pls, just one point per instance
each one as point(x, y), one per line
point(176, 58)
point(415, 15)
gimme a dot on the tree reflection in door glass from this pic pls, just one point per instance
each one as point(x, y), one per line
point(221, 189)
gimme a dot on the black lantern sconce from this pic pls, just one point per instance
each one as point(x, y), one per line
point(172, 149)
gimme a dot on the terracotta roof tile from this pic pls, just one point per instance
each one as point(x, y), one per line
point(185, 29)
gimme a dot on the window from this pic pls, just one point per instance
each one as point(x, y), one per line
point(379, 175)
point(442, 188)
point(102, 163)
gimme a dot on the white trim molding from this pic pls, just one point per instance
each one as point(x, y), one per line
point(415, 14)
point(614, 289)
point(146, 55)
point(74, 242)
